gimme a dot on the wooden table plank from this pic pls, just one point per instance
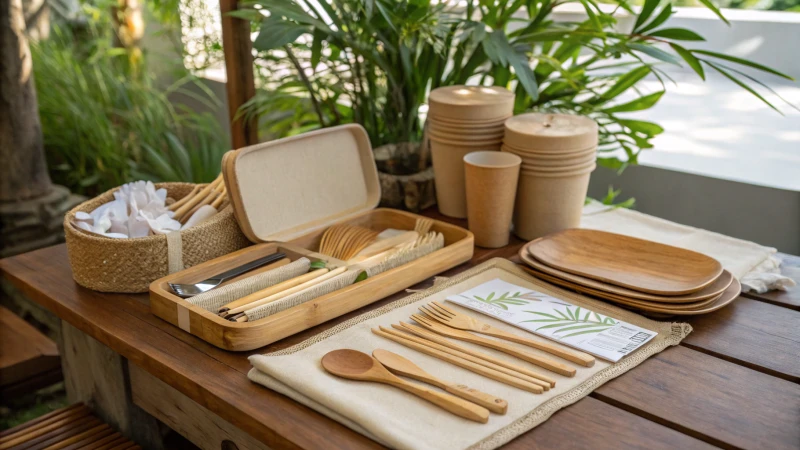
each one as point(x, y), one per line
point(758, 335)
point(790, 266)
point(717, 401)
point(593, 424)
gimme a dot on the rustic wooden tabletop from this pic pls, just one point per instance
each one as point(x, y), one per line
point(732, 383)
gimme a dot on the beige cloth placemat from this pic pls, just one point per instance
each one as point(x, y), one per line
point(397, 419)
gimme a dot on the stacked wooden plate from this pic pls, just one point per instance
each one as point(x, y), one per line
point(631, 272)
point(461, 120)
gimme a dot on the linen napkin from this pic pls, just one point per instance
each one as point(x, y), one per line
point(400, 420)
point(754, 265)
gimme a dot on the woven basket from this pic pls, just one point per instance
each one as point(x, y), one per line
point(130, 265)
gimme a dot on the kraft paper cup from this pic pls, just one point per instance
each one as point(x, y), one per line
point(557, 174)
point(547, 155)
point(551, 132)
point(491, 186)
point(546, 205)
point(471, 103)
point(492, 144)
point(448, 170)
point(449, 121)
point(554, 162)
point(588, 165)
point(490, 135)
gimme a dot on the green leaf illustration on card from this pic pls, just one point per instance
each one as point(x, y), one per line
point(507, 298)
point(571, 320)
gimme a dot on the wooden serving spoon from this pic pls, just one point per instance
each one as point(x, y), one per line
point(355, 365)
point(402, 366)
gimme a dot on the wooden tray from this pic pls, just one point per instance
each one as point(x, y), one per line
point(713, 290)
point(625, 261)
point(685, 309)
point(251, 335)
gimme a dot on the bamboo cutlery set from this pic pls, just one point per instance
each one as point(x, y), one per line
point(633, 273)
point(437, 326)
point(364, 251)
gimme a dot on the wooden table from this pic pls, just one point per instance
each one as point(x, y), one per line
point(733, 383)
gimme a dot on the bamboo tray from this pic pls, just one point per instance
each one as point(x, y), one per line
point(285, 194)
point(251, 335)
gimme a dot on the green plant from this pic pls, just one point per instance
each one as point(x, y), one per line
point(374, 61)
point(105, 123)
point(571, 321)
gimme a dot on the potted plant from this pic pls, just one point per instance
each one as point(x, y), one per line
point(374, 62)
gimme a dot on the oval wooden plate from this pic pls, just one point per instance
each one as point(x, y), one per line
point(617, 298)
point(706, 306)
point(625, 261)
point(714, 289)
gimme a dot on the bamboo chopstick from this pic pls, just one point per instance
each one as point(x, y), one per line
point(186, 207)
point(185, 199)
point(274, 289)
point(282, 294)
point(461, 362)
point(474, 357)
point(419, 331)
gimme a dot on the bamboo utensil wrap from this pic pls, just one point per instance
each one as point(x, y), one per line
point(396, 420)
point(215, 298)
point(130, 265)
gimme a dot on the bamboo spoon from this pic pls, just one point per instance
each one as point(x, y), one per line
point(461, 321)
point(402, 366)
point(355, 365)
point(545, 363)
point(480, 357)
point(461, 362)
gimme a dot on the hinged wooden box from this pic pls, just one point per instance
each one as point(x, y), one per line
point(285, 194)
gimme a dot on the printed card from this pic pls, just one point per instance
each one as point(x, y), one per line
point(556, 319)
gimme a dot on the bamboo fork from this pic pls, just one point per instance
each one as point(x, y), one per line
point(481, 358)
point(423, 225)
point(545, 363)
point(461, 362)
point(464, 322)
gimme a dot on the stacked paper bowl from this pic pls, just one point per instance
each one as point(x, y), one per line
point(461, 120)
point(558, 154)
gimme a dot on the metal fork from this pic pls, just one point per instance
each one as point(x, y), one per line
point(462, 321)
point(189, 290)
point(541, 361)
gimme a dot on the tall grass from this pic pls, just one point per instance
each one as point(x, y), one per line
point(106, 123)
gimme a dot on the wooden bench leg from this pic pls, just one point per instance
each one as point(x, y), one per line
point(97, 376)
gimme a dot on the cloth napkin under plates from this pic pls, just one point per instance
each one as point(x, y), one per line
point(400, 420)
point(755, 266)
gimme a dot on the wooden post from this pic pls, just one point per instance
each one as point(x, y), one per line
point(97, 376)
point(239, 67)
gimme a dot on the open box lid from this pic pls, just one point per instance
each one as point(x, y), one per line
point(286, 188)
